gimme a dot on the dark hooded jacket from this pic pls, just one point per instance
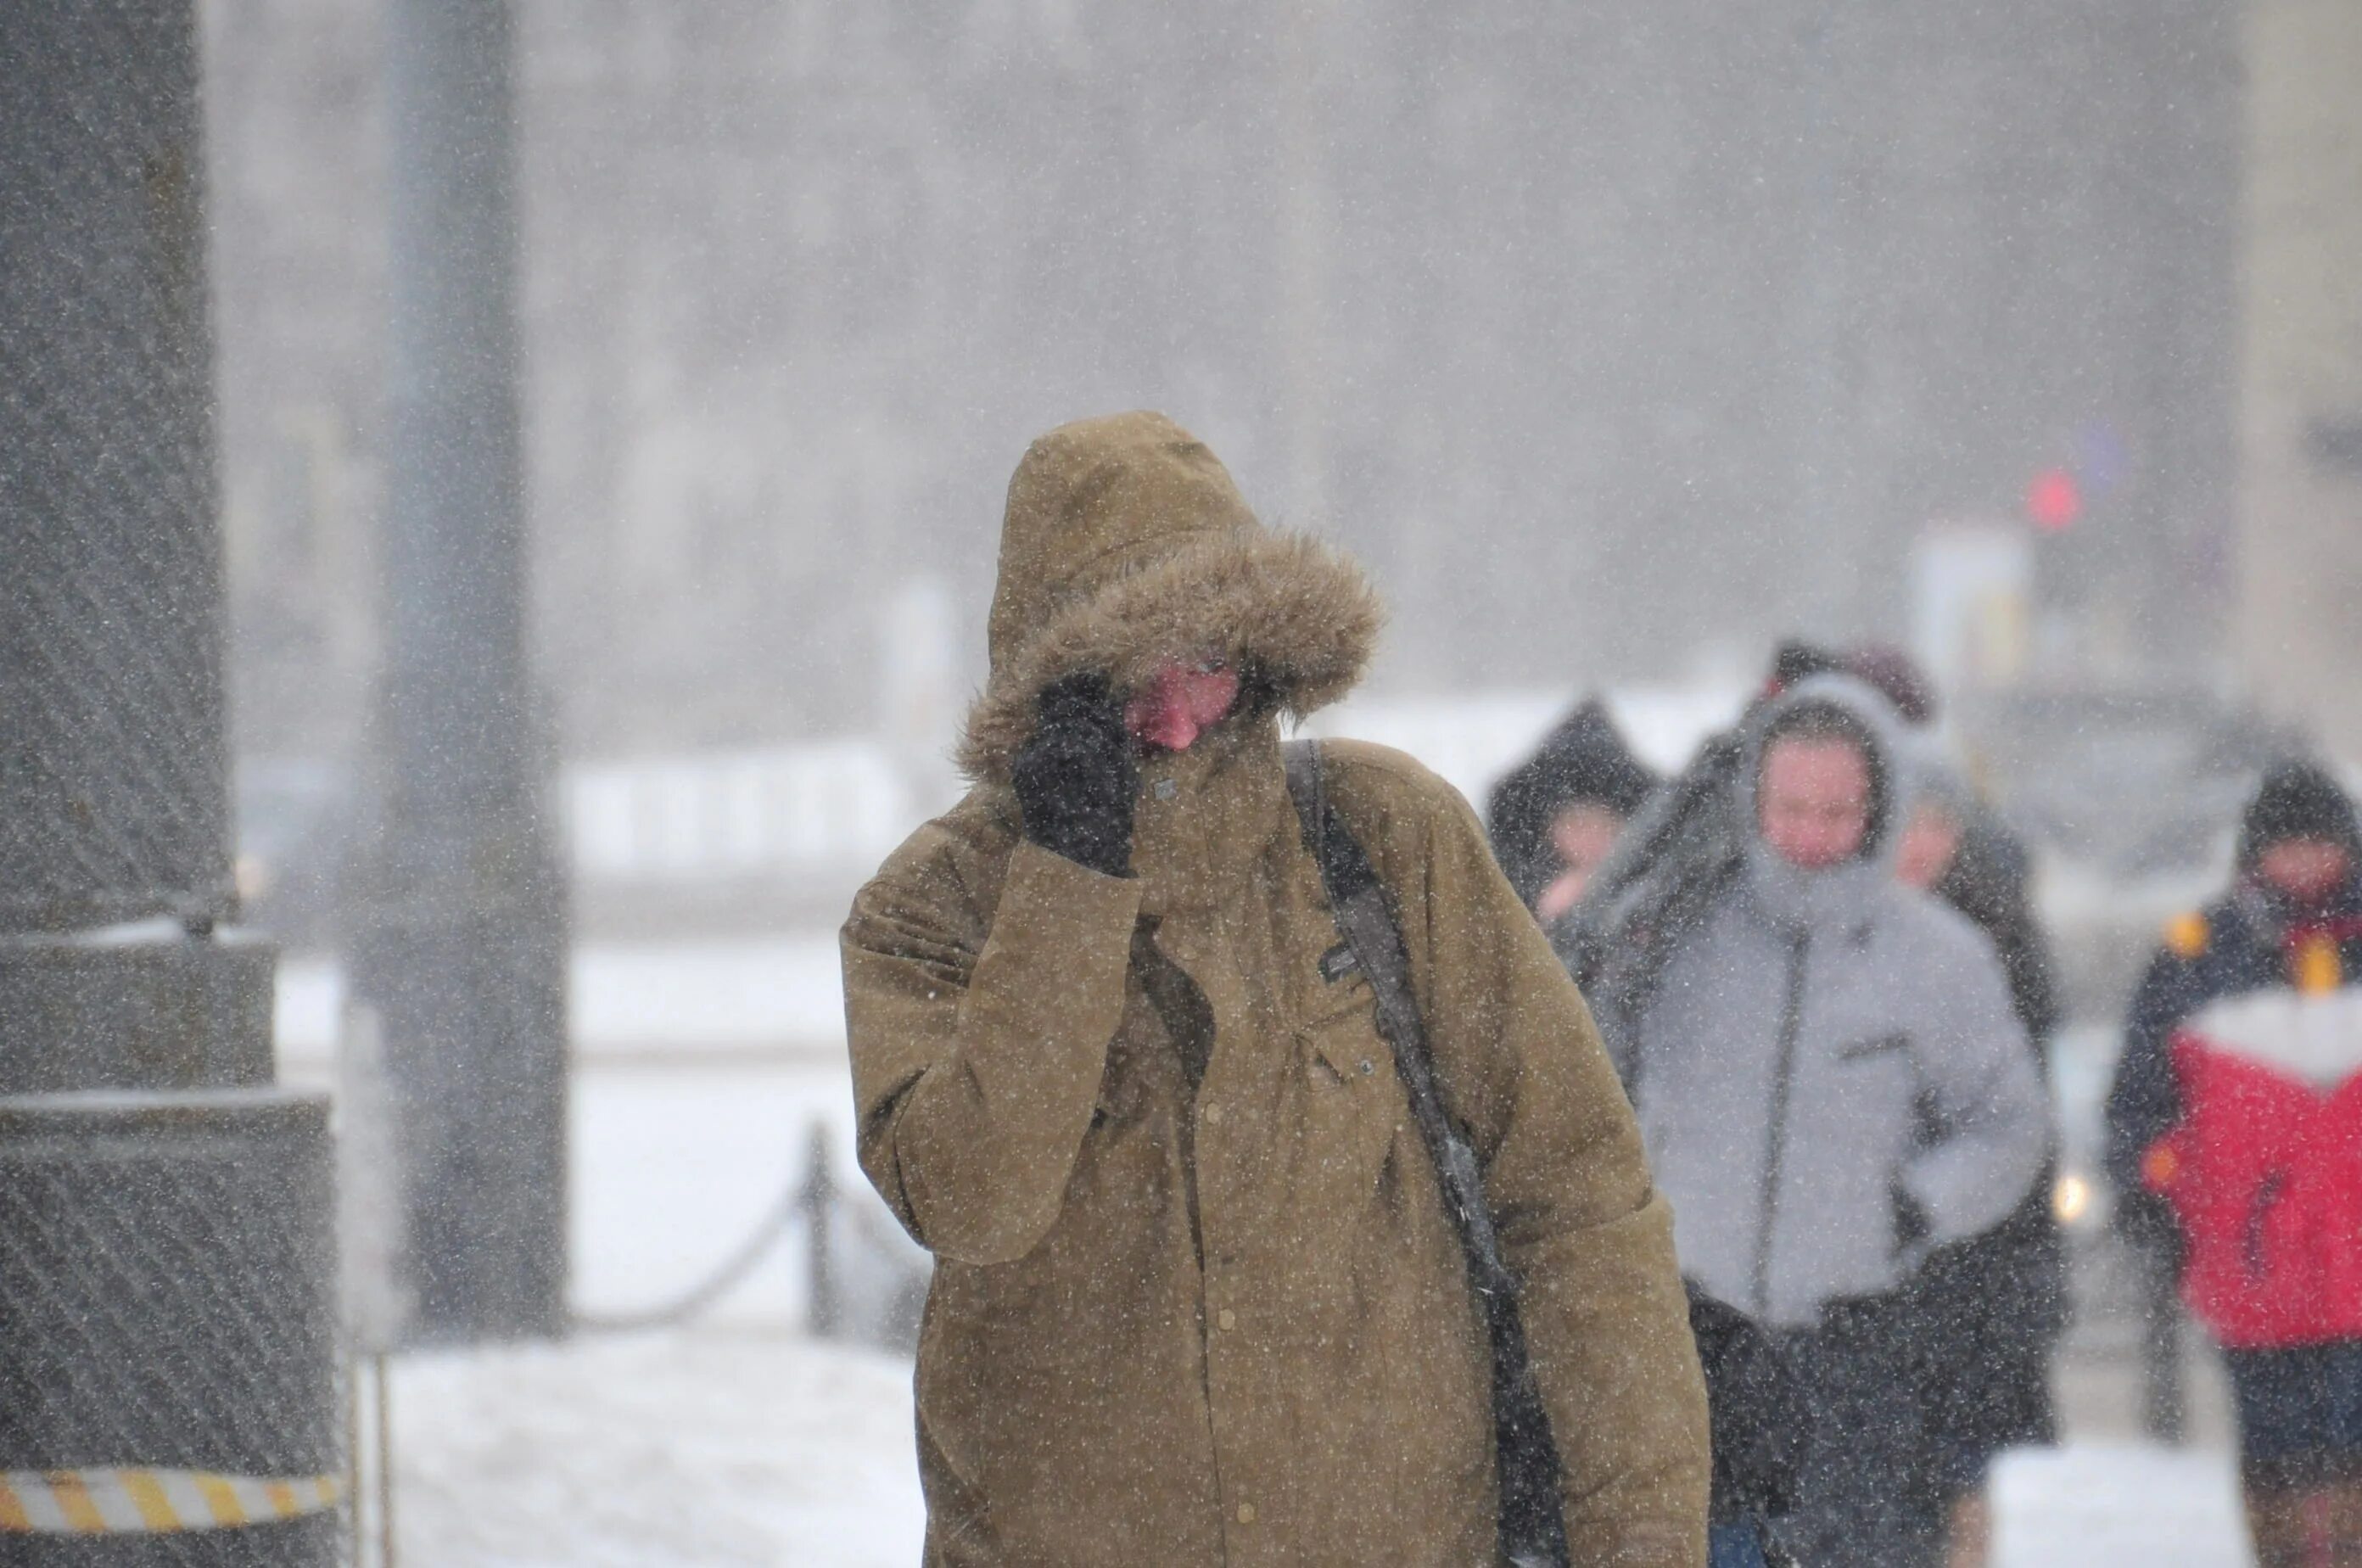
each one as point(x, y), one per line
point(1187, 1319)
point(2239, 943)
point(1583, 760)
point(1996, 1304)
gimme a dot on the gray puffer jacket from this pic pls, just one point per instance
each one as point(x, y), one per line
point(1828, 1052)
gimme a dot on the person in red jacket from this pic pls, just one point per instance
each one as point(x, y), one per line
point(2235, 1131)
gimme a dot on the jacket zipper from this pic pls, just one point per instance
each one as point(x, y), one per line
point(2259, 1207)
point(1775, 1133)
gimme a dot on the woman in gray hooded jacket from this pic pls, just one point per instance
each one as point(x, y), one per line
point(1832, 1086)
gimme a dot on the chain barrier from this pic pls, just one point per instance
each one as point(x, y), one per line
point(814, 1206)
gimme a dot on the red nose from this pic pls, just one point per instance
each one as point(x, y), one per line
point(1179, 704)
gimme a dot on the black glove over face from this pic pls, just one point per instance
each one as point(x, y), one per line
point(1077, 777)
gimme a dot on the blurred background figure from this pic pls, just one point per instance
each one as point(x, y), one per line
point(1555, 816)
point(1835, 1094)
point(1996, 1305)
point(2233, 1131)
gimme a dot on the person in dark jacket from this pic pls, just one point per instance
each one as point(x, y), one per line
point(1554, 818)
point(2233, 1127)
point(1957, 849)
point(1996, 1304)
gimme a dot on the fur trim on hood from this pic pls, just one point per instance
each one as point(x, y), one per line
point(1125, 546)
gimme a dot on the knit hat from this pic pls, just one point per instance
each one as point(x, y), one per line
point(2297, 800)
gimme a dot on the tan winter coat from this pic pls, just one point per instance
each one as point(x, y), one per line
point(1226, 1320)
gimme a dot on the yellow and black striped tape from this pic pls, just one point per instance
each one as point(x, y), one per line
point(153, 1501)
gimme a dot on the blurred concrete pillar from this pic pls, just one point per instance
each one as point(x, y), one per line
point(459, 942)
point(166, 1259)
point(2301, 394)
point(114, 798)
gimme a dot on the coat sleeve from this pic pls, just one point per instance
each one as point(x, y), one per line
point(2024, 951)
point(2145, 1101)
point(1988, 1098)
point(1580, 1220)
point(976, 1056)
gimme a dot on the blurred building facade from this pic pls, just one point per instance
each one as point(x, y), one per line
point(2301, 394)
point(1604, 335)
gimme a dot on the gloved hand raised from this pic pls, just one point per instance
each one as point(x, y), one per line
point(1077, 777)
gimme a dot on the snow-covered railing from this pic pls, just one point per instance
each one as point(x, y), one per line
point(731, 815)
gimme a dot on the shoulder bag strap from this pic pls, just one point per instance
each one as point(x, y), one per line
point(1365, 918)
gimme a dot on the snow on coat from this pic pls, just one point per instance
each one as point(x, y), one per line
point(1227, 1320)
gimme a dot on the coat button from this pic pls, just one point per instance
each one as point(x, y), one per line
point(1213, 1116)
point(1226, 1319)
point(1167, 788)
point(1366, 1069)
point(1246, 1513)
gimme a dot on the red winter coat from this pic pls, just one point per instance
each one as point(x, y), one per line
point(2264, 1170)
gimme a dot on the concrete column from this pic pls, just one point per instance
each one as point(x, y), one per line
point(167, 1267)
point(459, 947)
point(2301, 376)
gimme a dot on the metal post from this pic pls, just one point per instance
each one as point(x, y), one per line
point(355, 1516)
point(458, 945)
point(822, 1309)
point(2163, 1401)
point(166, 1262)
point(383, 1386)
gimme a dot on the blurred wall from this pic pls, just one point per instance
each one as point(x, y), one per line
point(1604, 335)
point(2300, 427)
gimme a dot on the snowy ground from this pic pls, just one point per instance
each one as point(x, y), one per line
point(721, 1447)
point(740, 1447)
point(739, 1442)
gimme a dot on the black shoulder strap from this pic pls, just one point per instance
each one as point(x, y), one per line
point(1532, 1521)
point(1365, 917)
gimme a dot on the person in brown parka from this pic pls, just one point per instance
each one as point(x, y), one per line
point(1196, 1298)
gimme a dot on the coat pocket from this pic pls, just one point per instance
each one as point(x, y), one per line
point(1353, 1100)
point(1343, 1061)
point(1874, 1047)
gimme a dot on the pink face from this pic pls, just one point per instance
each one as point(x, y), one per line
point(1180, 703)
point(2307, 869)
point(1811, 804)
point(1927, 846)
point(1584, 836)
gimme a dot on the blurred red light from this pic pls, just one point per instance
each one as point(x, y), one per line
point(2053, 501)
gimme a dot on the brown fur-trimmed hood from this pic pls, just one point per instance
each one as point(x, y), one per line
point(1126, 544)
